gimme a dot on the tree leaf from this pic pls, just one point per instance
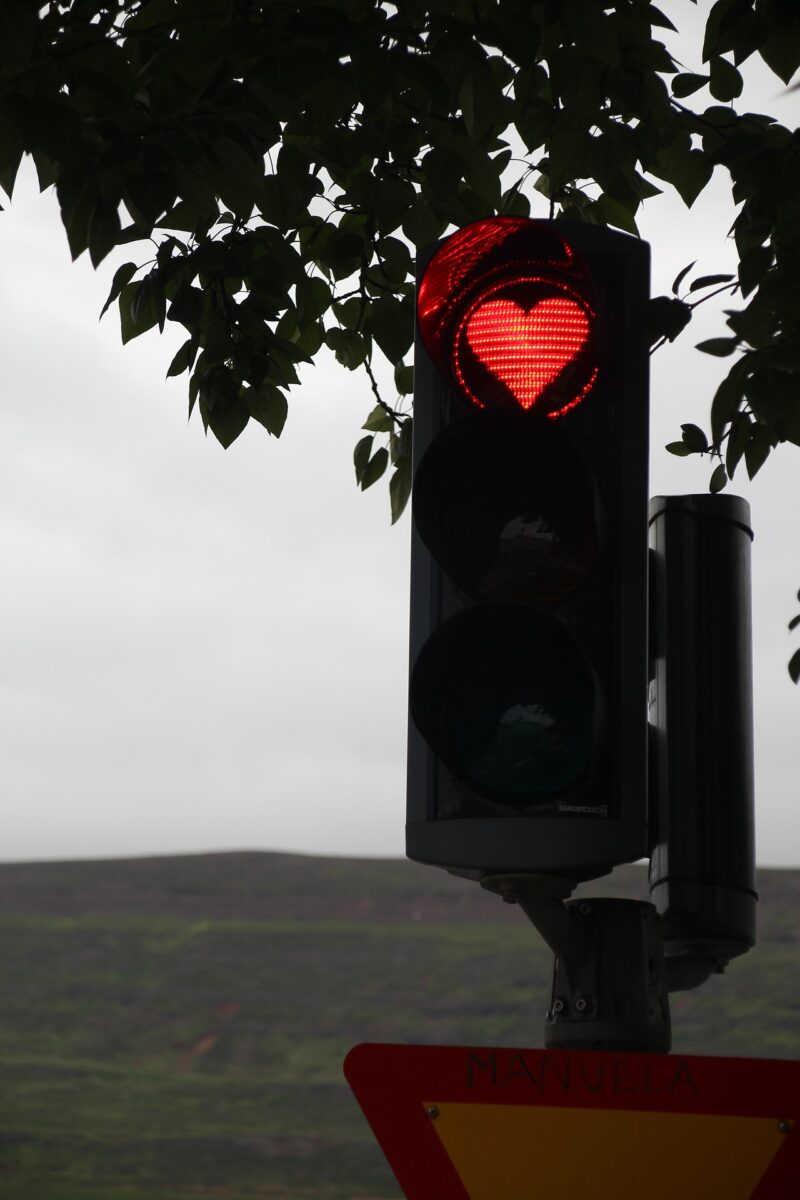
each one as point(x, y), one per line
point(679, 278)
point(216, 341)
point(349, 312)
point(311, 339)
point(404, 439)
point(393, 198)
point(687, 83)
point(149, 195)
point(400, 488)
point(349, 347)
point(138, 309)
point(392, 324)
point(375, 468)
point(614, 212)
point(720, 347)
point(756, 323)
point(227, 421)
point(738, 439)
point(666, 317)
point(361, 456)
point(188, 306)
point(11, 147)
point(394, 257)
point(122, 276)
point(183, 359)
point(222, 409)
point(404, 379)
point(688, 170)
point(757, 449)
point(695, 439)
point(238, 176)
point(794, 667)
point(313, 300)
point(725, 404)
point(708, 281)
point(269, 406)
point(726, 83)
point(378, 421)
point(780, 50)
point(719, 478)
point(659, 20)
point(753, 267)
point(420, 225)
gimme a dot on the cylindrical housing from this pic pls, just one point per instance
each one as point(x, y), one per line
point(702, 865)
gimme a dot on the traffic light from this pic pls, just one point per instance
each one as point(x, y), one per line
point(527, 744)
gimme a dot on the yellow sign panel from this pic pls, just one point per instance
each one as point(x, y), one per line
point(515, 1152)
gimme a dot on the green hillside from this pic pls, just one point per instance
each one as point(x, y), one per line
point(174, 1027)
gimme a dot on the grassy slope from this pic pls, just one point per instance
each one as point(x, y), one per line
point(175, 1027)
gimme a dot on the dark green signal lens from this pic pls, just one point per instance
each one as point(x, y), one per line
point(521, 730)
point(504, 695)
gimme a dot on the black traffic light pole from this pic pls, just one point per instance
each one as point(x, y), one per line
point(528, 723)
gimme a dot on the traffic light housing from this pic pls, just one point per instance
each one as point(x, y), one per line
point(702, 793)
point(527, 746)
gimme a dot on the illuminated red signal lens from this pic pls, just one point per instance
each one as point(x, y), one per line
point(531, 354)
point(527, 351)
point(507, 314)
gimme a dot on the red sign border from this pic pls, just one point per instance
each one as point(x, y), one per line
point(392, 1082)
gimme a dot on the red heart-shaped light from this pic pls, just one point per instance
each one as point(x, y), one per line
point(527, 349)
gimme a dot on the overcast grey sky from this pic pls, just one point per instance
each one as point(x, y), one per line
point(206, 650)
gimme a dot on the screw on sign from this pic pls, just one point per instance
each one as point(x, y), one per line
point(528, 673)
point(460, 1123)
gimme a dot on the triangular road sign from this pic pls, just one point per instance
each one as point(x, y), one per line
point(461, 1123)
